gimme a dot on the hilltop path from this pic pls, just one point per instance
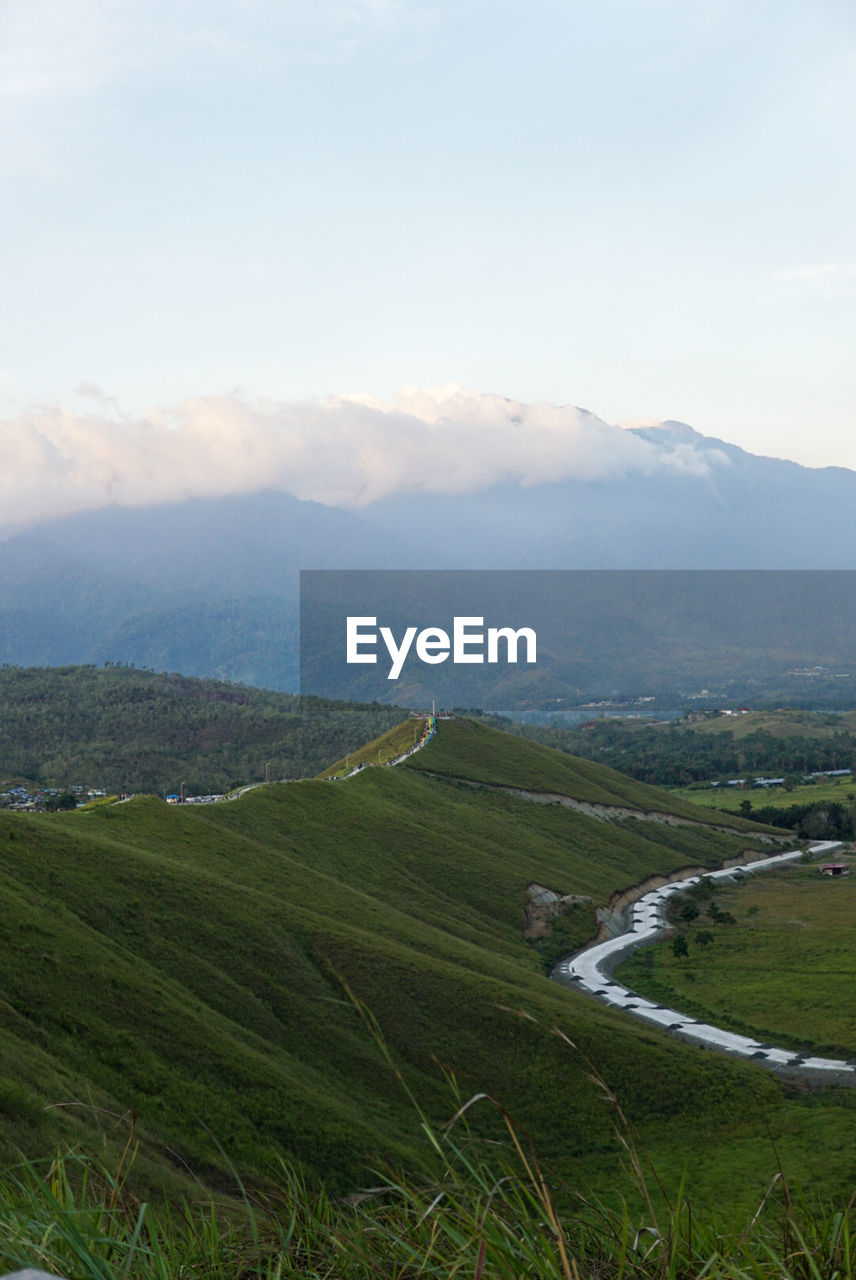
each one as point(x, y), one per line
point(427, 734)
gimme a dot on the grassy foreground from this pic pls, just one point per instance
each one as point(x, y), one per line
point(493, 1211)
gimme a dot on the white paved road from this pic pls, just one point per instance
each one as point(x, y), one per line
point(590, 971)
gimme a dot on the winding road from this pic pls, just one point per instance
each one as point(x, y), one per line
point(590, 971)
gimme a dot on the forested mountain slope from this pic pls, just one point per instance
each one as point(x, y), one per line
point(131, 730)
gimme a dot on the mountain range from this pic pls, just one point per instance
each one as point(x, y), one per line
point(209, 586)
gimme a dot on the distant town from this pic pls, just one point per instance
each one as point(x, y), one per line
point(35, 799)
point(47, 799)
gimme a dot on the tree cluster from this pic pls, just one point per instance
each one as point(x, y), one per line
point(679, 755)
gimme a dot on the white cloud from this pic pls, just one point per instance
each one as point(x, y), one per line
point(345, 451)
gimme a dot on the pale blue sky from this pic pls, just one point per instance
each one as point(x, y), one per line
point(644, 207)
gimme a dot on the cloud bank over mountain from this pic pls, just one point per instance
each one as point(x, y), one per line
point(346, 451)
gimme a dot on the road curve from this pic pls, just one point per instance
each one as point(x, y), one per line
point(590, 971)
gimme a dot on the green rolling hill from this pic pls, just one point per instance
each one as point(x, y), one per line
point(194, 968)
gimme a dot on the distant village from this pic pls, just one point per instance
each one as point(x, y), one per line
point(40, 798)
point(780, 782)
point(43, 799)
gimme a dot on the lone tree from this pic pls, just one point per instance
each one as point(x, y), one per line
point(679, 946)
point(67, 800)
point(688, 911)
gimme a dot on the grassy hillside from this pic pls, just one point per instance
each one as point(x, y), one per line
point(387, 746)
point(131, 730)
point(187, 966)
point(477, 752)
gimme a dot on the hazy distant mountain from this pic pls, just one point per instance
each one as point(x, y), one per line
point(748, 512)
point(209, 586)
point(205, 587)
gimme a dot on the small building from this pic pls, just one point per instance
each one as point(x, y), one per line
point(835, 869)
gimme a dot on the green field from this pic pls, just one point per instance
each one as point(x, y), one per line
point(783, 972)
point(781, 724)
point(729, 799)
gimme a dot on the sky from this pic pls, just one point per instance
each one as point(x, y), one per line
point(645, 208)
